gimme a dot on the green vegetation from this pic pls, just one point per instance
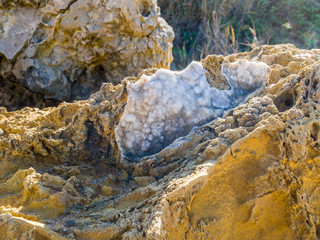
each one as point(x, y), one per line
point(205, 27)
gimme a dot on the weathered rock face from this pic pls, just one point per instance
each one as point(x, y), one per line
point(251, 174)
point(65, 50)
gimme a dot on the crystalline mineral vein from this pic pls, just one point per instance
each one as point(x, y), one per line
point(167, 105)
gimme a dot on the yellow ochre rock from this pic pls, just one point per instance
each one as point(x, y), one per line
point(252, 173)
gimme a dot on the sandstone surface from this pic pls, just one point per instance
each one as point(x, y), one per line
point(252, 173)
point(57, 50)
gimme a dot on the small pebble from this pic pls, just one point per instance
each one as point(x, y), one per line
point(106, 191)
point(145, 180)
point(123, 175)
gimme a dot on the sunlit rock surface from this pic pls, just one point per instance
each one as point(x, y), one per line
point(65, 49)
point(252, 173)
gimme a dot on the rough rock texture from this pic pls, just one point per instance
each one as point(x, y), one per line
point(251, 174)
point(65, 49)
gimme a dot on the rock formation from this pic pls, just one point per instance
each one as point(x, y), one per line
point(57, 50)
point(167, 105)
point(252, 173)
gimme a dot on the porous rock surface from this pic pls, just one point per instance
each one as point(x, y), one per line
point(252, 173)
point(57, 50)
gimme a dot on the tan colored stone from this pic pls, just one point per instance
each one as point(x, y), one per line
point(144, 180)
point(106, 191)
point(251, 174)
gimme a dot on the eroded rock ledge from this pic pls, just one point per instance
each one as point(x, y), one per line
point(250, 174)
point(57, 50)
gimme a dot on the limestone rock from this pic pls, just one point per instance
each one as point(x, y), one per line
point(46, 196)
point(65, 50)
point(252, 173)
point(20, 228)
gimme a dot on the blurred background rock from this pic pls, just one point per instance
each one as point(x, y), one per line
point(63, 50)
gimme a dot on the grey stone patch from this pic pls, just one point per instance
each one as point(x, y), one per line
point(17, 27)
